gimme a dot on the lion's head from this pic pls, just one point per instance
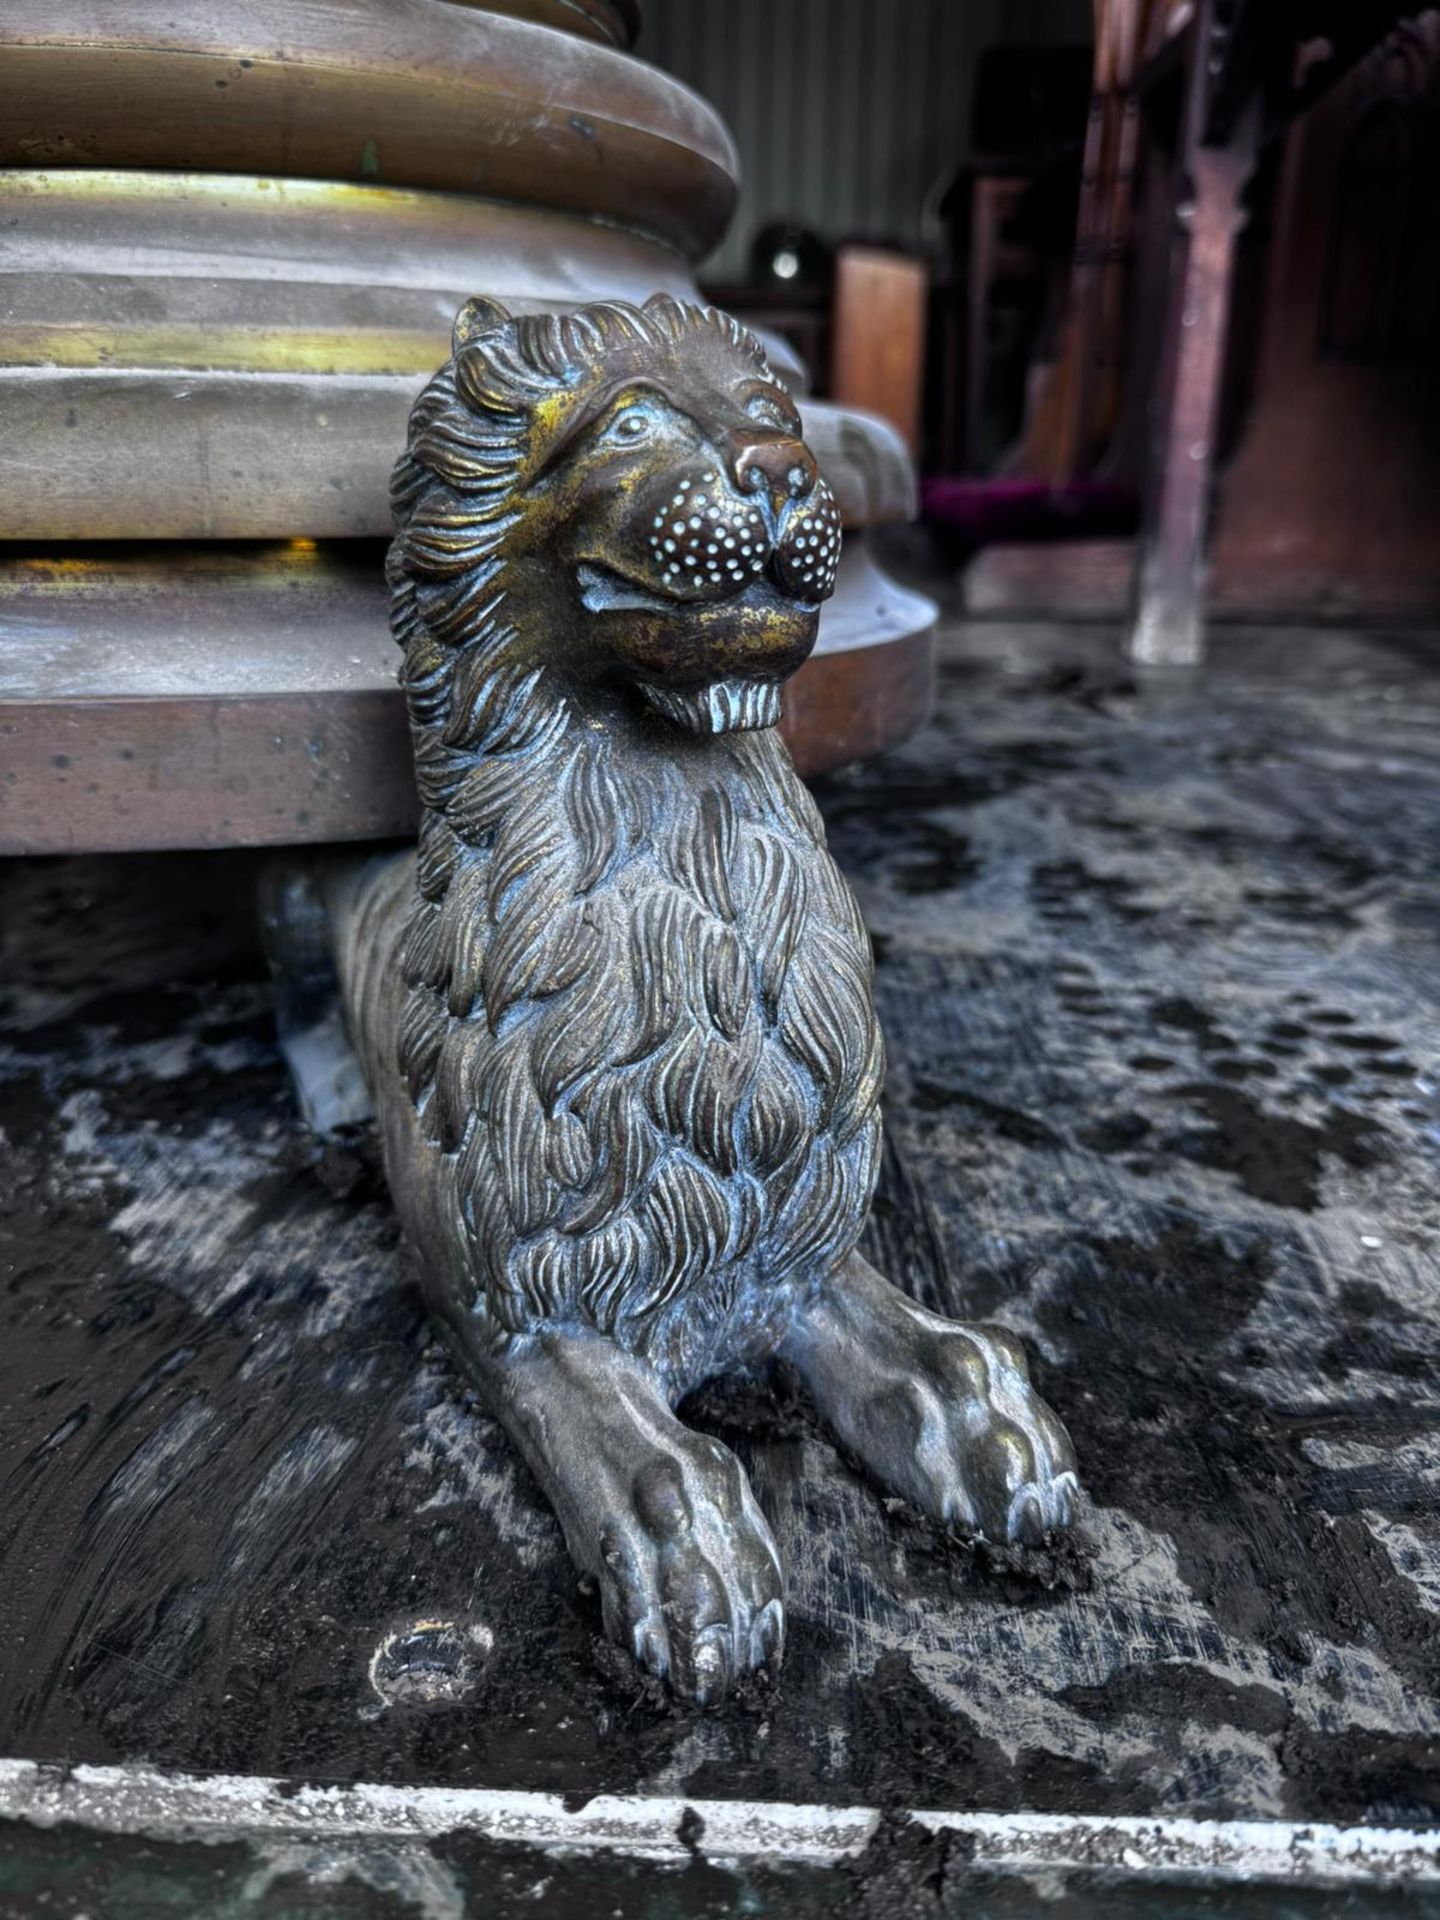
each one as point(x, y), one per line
point(627, 489)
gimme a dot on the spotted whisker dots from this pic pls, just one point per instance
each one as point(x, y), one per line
point(808, 554)
point(710, 540)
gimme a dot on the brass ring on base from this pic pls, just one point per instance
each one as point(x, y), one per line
point(213, 696)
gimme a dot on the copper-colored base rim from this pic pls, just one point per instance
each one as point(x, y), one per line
point(850, 706)
point(210, 771)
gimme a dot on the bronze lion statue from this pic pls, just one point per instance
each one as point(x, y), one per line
point(615, 1009)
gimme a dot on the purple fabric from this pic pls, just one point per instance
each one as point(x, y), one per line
point(1020, 508)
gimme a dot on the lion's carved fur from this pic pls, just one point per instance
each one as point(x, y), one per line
point(634, 1014)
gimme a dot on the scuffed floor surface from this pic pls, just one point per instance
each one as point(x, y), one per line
point(1159, 970)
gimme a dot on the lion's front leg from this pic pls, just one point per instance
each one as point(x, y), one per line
point(663, 1519)
point(941, 1413)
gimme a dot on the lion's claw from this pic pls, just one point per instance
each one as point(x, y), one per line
point(940, 1412)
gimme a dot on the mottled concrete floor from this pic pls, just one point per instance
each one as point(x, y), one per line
point(1159, 967)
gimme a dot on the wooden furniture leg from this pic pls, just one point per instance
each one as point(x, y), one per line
point(1168, 624)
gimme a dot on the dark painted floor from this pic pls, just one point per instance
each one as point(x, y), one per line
point(1159, 968)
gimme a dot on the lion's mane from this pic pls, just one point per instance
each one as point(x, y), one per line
point(635, 1011)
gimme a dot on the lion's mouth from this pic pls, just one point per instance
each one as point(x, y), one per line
point(602, 590)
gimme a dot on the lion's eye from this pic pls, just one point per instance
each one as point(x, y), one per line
point(630, 425)
point(765, 407)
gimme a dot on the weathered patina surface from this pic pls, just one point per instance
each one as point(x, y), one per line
point(615, 1012)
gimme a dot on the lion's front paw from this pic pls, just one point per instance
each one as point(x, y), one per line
point(939, 1411)
point(690, 1577)
point(964, 1435)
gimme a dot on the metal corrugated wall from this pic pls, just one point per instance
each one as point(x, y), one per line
point(845, 111)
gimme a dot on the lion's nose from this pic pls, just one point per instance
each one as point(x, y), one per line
point(781, 468)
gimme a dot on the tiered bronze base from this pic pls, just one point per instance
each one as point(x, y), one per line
point(199, 348)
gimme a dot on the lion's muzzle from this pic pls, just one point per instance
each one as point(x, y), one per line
point(707, 543)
